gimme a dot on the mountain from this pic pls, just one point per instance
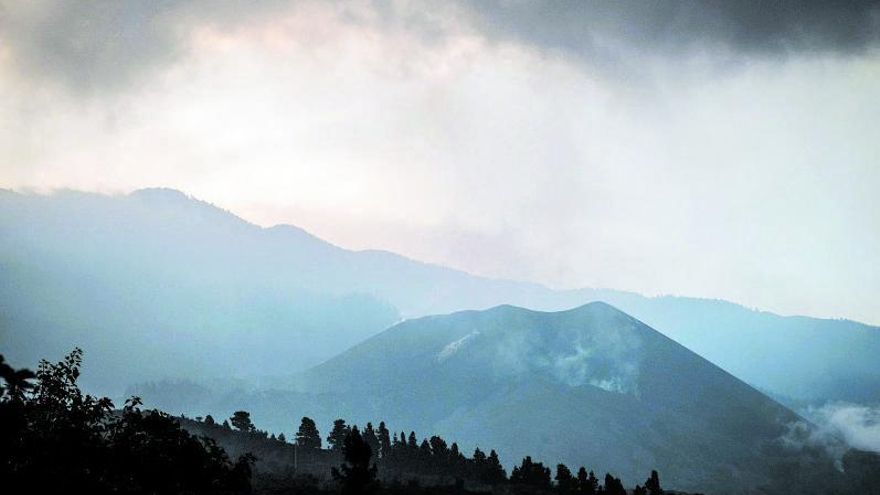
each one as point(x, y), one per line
point(156, 284)
point(589, 386)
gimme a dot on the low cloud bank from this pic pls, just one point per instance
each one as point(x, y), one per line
point(857, 425)
point(836, 427)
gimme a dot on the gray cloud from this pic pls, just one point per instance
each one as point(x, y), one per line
point(85, 45)
point(107, 45)
point(589, 29)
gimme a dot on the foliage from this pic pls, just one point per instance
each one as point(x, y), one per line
point(308, 436)
point(55, 438)
point(241, 421)
point(357, 475)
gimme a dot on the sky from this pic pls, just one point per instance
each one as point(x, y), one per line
point(714, 149)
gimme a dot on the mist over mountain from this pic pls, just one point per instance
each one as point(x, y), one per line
point(589, 386)
point(156, 284)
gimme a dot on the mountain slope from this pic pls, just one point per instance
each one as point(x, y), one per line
point(201, 293)
point(589, 386)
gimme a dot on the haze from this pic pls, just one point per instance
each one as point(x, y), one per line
point(693, 152)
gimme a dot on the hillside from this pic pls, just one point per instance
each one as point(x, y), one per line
point(589, 386)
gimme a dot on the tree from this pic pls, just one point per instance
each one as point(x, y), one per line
point(425, 450)
point(209, 420)
point(531, 473)
point(652, 484)
point(454, 453)
point(369, 436)
point(282, 438)
point(438, 448)
point(307, 436)
point(565, 482)
point(55, 439)
point(384, 440)
point(356, 475)
point(494, 472)
point(241, 421)
point(15, 382)
point(337, 436)
point(587, 483)
point(613, 486)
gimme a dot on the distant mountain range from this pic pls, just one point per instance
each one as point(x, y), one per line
point(156, 284)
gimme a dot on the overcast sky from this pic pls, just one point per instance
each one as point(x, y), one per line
point(714, 149)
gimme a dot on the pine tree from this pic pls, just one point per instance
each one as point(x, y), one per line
point(356, 476)
point(454, 453)
point(479, 457)
point(384, 440)
point(425, 450)
point(613, 486)
point(565, 482)
point(209, 420)
point(282, 438)
point(531, 473)
point(495, 472)
point(438, 448)
point(369, 436)
point(241, 421)
point(307, 436)
point(652, 484)
point(582, 480)
point(592, 483)
point(337, 436)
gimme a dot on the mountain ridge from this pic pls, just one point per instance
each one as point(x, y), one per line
point(555, 371)
point(84, 267)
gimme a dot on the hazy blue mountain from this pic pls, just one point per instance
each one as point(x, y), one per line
point(588, 386)
point(157, 284)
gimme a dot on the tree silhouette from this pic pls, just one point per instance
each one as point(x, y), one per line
point(531, 473)
point(241, 421)
point(356, 475)
point(384, 440)
point(587, 483)
point(438, 448)
point(55, 439)
point(369, 436)
point(652, 484)
point(494, 472)
point(613, 486)
point(338, 434)
point(565, 482)
point(307, 436)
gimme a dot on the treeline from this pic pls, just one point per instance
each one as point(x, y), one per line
point(400, 461)
point(54, 438)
